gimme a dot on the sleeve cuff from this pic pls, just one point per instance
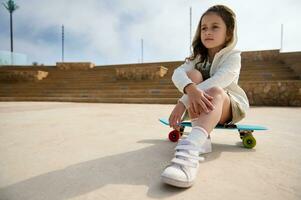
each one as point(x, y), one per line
point(184, 84)
point(184, 100)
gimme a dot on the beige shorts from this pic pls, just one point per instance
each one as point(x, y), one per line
point(237, 112)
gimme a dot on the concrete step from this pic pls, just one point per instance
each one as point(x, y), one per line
point(94, 100)
point(84, 87)
point(108, 82)
point(90, 82)
point(80, 77)
point(264, 70)
point(88, 92)
point(262, 62)
point(99, 95)
point(289, 74)
point(269, 76)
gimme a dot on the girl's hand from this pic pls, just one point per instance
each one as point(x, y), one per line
point(176, 115)
point(199, 100)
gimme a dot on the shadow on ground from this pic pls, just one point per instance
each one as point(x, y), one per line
point(140, 167)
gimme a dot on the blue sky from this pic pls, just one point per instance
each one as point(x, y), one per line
point(110, 31)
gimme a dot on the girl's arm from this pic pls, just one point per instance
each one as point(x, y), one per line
point(180, 78)
point(229, 70)
point(176, 115)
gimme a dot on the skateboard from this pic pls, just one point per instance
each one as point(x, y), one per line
point(245, 131)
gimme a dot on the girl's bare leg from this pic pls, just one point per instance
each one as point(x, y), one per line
point(221, 114)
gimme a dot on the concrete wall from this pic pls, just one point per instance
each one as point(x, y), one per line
point(273, 93)
point(292, 59)
point(267, 55)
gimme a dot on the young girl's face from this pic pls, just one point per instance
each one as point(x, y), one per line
point(213, 31)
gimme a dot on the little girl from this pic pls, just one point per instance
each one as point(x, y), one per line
point(208, 79)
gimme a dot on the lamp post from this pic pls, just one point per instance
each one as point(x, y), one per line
point(62, 43)
point(141, 50)
point(11, 6)
point(281, 39)
point(190, 19)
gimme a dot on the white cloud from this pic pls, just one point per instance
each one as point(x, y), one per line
point(108, 32)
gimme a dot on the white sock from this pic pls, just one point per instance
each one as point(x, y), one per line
point(198, 135)
point(194, 123)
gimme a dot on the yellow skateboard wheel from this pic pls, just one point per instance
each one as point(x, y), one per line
point(249, 141)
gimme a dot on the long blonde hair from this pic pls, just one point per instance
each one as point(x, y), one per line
point(228, 16)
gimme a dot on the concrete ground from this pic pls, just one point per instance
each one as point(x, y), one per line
point(75, 151)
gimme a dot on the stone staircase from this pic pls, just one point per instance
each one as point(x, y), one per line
point(261, 77)
point(95, 85)
point(269, 78)
point(271, 70)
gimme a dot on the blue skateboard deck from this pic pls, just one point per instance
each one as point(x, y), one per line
point(245, 131)
point(242, 127)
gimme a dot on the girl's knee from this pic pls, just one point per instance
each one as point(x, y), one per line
point(195, 76)
point(216, 92)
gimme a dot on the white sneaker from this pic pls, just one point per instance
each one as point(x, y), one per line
point(184, 167)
